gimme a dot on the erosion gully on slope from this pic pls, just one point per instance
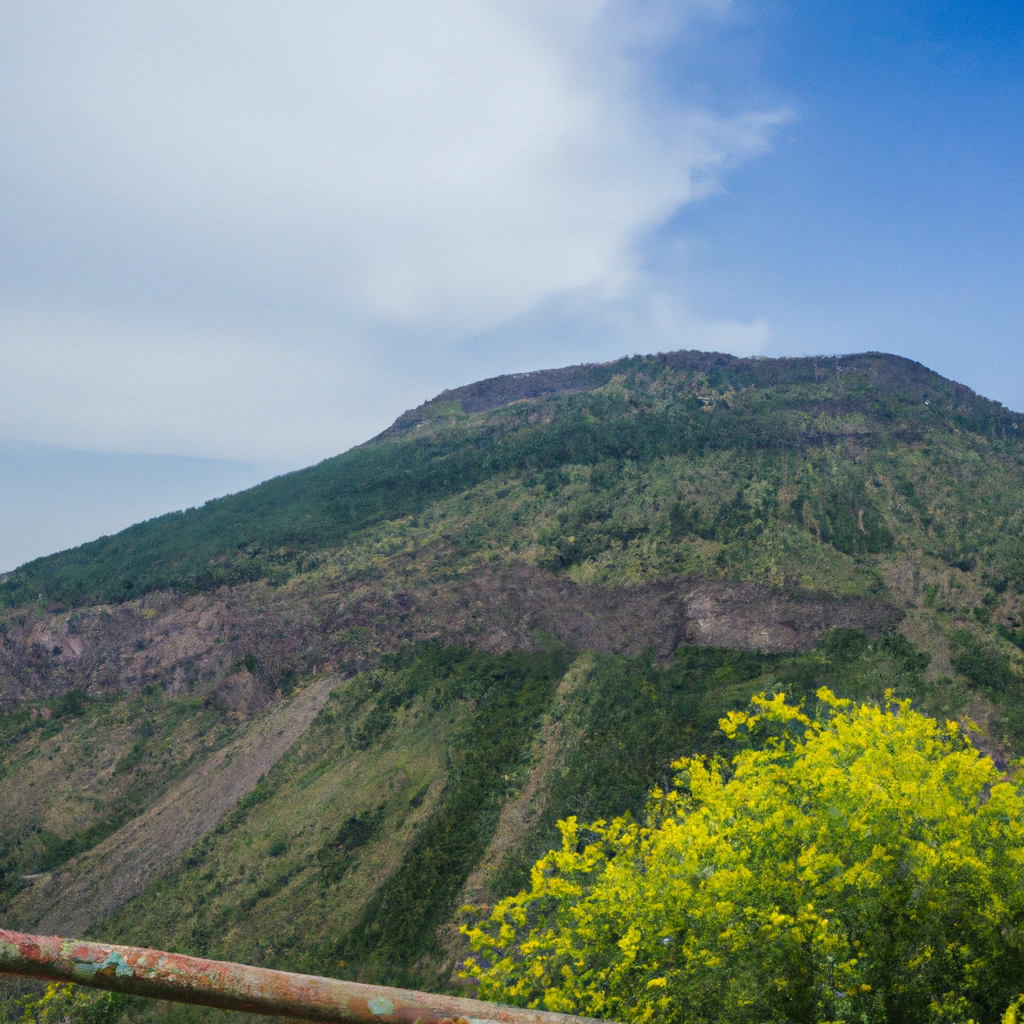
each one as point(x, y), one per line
point(105, 878)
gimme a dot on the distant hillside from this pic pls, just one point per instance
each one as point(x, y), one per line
point(301, 725)
point(773, 413)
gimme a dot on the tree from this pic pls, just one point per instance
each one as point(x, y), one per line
point(862, 864)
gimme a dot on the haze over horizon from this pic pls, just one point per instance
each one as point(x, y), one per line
point(240, 239)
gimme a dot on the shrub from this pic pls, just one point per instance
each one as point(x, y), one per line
point(843, 645)
point(71, 1004)
point(863, 865)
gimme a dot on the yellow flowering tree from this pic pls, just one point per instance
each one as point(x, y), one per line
point(71, 1004)
point(864, 864)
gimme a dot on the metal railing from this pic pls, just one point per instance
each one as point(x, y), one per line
point(227, 986)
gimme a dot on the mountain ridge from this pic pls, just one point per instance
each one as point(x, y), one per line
point(261, 532)
point(495, 392)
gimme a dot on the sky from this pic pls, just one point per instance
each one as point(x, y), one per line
point(240, 237)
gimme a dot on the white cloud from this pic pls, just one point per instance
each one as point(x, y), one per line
point(626, 317)
point(203, 198)
point(170, 389)
point(674, 326)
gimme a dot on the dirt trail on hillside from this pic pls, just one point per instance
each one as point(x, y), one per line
point(95, 884)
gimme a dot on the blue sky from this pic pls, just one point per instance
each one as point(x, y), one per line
point(241, 237)
point(891, 213)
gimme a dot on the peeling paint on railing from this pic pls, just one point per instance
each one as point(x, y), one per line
point(228, 986)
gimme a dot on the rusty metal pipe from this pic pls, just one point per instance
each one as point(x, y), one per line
point(228, 986)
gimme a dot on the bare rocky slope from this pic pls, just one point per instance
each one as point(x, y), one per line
point(178, 641)
point(96, 883)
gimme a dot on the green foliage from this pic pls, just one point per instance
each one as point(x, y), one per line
point(285, 683)
point(336, 856)
point(133, 758)
point(859, 865)
point(72, 1004)
point(843, 645)
point(902, 652)
point(629, 721)
point(257, 795)
point(397, 928)
point(1015, 636)
point(843, 515)
point(1011, 561)
point(988, 668)
point(990, 672)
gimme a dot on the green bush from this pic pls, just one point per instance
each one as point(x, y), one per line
point(71, 1004)
point(863, 865)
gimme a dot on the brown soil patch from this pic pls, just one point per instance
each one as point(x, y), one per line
point(243, 643)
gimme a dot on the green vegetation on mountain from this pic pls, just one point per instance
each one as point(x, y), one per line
point(352, 856)
point(475, 589)
point(744, 460)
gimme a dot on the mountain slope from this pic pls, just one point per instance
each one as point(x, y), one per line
point(118, 868)
point(520, 601)
point(773, 414)
point(356, 850)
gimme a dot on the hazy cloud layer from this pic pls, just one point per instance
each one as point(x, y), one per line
point(55, 498)
point(260, 230)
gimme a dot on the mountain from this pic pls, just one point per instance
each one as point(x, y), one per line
point(301, 725)
point(787, 420)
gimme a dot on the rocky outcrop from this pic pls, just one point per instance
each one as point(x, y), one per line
point(245, 643)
